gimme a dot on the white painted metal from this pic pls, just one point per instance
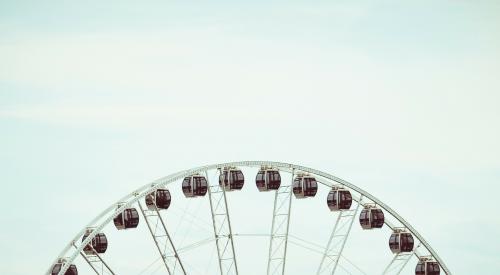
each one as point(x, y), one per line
point(163, 241)
point(96, 262)
point(87, 260)
point(280, 226)
point(338, 239)
point(399, 262)
point(109, 213)
point(222, 228)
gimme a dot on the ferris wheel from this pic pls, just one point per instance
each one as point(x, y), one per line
point(220, 228)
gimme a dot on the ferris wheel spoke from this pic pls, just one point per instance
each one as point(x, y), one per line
point(222, 228)
point(87, 260)
point(280, 228)
point(319, 249)
point(195, 245)
point(337, 240)
point(162, 240)
point(96, 262)
point(399, 261)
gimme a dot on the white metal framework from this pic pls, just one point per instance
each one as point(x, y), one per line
point(127, 201)
point(162, 240)
point(222, 229)
point(96, 262)
point(399, 262)
point(337, 241)
point(279, 229)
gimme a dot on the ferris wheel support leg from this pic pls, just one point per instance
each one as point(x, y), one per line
point(338, 239)
point(279, 229)
point(222, 228)
point(171, 257)
point(92, 260)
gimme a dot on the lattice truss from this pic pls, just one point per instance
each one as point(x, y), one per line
point(222, 228)
point(337, 241)
point(163, 241)
point(279, 230)
point(96, 262)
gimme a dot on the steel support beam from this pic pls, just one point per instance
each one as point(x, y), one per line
point(222, 228)
point(279, 229)
point(96, 262)
point(337, 241)
point(162, 240)
point(399, 262)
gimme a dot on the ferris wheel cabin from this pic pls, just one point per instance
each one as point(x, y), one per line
point(339, 198)
point(304, 186)
point(128, 219)
point(99, 243)
point(268, 179)
point(371, 217)
point(231, 178)
point(58, 266)
point(194, 186)
point(401, 241)
point(159, 199)
point(427, 266)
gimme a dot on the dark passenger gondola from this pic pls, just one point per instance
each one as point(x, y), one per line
point(427, 266)
point(129, 218)
point(371, 217)
point(304, 186)
point(159, 199)
point(57, 267)
point(339, 198)
point(99, 243)
point(401, 241)
point(231, 178)
point(194, 186)
point(268, 179)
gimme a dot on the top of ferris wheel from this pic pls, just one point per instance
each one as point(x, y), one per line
point(231, 178)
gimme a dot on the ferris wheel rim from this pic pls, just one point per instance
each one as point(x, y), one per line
point(146, 189)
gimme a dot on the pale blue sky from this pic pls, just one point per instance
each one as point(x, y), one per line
point(399, 97)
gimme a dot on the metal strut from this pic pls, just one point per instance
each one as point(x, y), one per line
point(338, 239)
point(96, 262)
point(162, 240)
point(399, 262)
point(279, 229)
point(222, 229)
